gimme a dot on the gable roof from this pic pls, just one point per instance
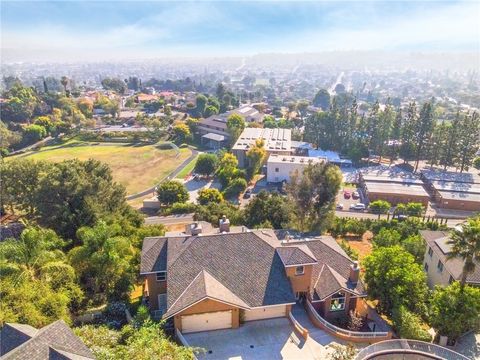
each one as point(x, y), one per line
point(295, 255)
point(454, 266)
point(332, 270)
point(204, 286)
point(13, 335)
point(47, 342)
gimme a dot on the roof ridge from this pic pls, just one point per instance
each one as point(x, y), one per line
point(344, 254)
point(185, 290)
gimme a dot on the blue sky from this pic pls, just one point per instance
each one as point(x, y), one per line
point(90, 30)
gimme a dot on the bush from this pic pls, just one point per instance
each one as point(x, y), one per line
point(171, 192)
point(476, 163)
point(235, 187)
point(206, 196)
point(415, 209)
point(179, 208)
point(206, 164)
point(408, 325)
point(380, 206)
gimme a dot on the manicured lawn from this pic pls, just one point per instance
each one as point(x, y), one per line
point(187, 169)
point(137, 167)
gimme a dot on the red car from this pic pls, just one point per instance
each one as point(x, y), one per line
point(347, 194)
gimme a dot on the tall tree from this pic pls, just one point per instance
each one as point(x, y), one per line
point(423, 131)
point(322, 99)
point(235, 126)
point(256, 156)
point(468, 139)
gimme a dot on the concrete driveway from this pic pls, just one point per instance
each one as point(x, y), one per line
point(261, 340)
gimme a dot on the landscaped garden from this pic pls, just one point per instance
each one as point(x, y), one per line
point(136, 166)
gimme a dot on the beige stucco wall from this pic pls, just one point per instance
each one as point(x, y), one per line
point(154, 288)
point(300, 282)
point(435, 277)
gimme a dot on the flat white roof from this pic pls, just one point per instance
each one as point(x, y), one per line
point(275, 139)
point(279, 159)
point(395, 188)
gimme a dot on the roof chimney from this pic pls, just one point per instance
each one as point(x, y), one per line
point(354, 272)
point(193, 229)
point(224, 224)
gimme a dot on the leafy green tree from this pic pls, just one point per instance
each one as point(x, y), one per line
point(476, 163)
point(409, 325)
point(33, 133)
point(206, 164)
point(322, 99)
point(387, 238)
point(235, 126)
point(210, 110)
point(227, 168)
point(213, 212)
point(355, 227)
point(147, 341)
point(313, 194)
point(468, 144)
point(104, 261)
point(414, 209)
point(182, 133)
point(235, 187)
point(465, 244)
point(20, 103)
point(266, 207)
point(33, 302)
point(78, 193)
point(8, 138)
point(415, 245)
point(256, 156)
point(116, 85)
point(201, 104)
point(269, 122)
point(380, 206)
point(206, 196)
point(172, 191)
point(393, 277)
point(455, 310)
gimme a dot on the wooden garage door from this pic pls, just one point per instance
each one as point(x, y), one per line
point(208, 321)
point(265, 313)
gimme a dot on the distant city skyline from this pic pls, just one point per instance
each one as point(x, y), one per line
point(92, 31)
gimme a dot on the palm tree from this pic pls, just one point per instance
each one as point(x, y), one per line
point(465, 244)
point(64, 81)
point(36, 255)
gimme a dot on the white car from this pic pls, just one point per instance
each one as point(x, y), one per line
point(340, 206)
point(358, 206)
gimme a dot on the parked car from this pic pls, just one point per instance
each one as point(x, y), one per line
point(347, 194)
point(247, 194)
point(355, 195)
point(357, 206)
point(340, 206)
point(402, 217)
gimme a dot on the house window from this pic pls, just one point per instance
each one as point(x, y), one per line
point(440, 266)
point(426, 267)
point(276, 169)
point(338, 302)
point(299, 270)
point(430, 251)
point(161, 276)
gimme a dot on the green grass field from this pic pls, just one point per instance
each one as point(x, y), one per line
point(187, 169)
point(137, 167)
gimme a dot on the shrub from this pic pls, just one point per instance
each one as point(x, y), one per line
point(171, 192)
point(476, 163)
point(206, 164)
point(409, 325)
point(179, 208)
point(415, 209)
point(235, 187)
point(206, 196)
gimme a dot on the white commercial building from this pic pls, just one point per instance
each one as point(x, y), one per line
point(282, 167)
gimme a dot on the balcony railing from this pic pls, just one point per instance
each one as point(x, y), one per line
point(404, 346)
point(346, 333)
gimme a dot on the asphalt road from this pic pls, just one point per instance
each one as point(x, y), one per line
point(188, 218)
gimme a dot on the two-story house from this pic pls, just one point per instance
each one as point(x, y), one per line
point(207, 279)
point(441, 270)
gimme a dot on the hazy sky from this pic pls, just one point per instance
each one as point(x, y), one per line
point(91, 30)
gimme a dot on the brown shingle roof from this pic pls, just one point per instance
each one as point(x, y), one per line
point(204, 285)
point(41, 346)
point(293, 255)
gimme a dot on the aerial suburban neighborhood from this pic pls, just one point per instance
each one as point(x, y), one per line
point(270, 180)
